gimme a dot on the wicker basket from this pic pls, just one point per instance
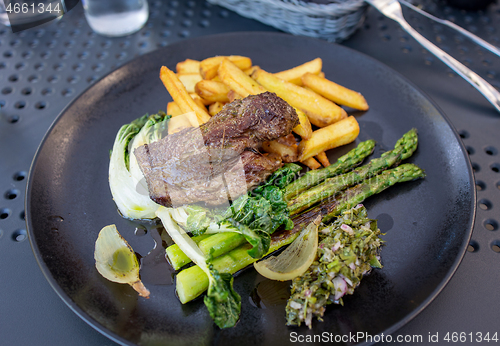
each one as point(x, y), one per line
point(334, 21)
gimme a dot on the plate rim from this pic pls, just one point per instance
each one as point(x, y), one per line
point(83, 315)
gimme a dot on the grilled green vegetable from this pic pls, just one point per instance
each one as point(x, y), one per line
point(222, 302)
point(252, 217)
point(191, 282)
point(344, 164)
point(403, 149)
point(372, 186)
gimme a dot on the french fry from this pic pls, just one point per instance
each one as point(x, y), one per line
point(232, 95)
point(303, 129)
point(237, 80)
point(323, 159)
point(212, 91)
point(294, 75)
point(199, 101)
point(250, 70)
point(335, 92)
point(242, 84)
point(215, 108)
point(188, 66)
point(180, 95)
point(286, 152)
point(311, 163)
point(182, 121)
point(287, 140)
point(340, 133)
point(173, 109)
point(189, 80)
point(209, 66)
point(320, 111)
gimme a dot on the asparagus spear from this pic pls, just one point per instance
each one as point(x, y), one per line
point(192, 282)
point(403, 149)
point(372, 186)
point(208, 244)
point(343, 164)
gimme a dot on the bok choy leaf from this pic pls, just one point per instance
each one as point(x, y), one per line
point(222, 302)
point(126, 181)
point(255, 215)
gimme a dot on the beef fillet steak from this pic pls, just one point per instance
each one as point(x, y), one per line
point(220, 159)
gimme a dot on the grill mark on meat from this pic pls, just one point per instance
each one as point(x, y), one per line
point(187, 166)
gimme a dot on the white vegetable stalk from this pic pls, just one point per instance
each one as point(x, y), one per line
point(181, 238)
point(131, 198)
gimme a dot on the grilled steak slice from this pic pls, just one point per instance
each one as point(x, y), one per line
point(258, 167)
point(208, 163)
point(243, 174)
point(246, 123)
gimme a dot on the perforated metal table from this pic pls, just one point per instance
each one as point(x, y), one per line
point(43, 69)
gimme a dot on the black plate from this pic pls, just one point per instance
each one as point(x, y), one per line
point(428, 222)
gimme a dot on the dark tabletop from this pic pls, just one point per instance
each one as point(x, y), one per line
point(43, 69)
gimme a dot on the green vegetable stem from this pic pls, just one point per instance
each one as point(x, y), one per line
point(192, 282)
point(344, 164)
point(403, 149)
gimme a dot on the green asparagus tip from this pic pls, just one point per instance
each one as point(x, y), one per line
point(408, 143)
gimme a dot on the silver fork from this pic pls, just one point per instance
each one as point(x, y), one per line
point(476, 39)
point(392, 10)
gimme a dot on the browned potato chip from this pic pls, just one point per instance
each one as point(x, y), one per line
point(320, 111)
point(209, 66)
point(212, 91)
point(294, 75)
point(180, 95)
point(335, 92)
point(288, 153)
point(188, 66)
point(329, 137)
point(311, 163)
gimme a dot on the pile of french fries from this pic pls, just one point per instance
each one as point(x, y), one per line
point(202, 88)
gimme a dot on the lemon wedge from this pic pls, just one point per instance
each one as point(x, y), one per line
point(295, 259)
point(116, 261)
